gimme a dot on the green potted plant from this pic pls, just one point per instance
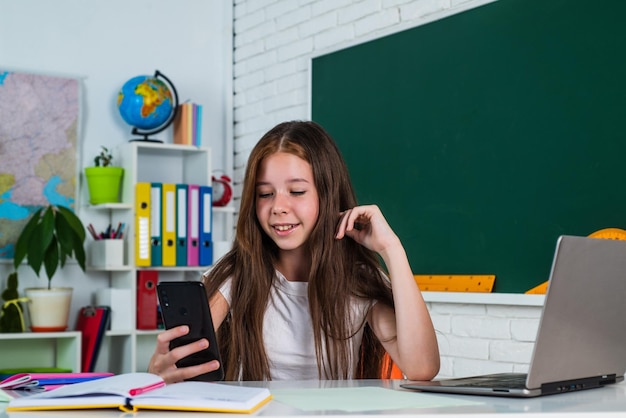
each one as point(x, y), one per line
point(11, 310)
point(104, 180)
point(52, 234)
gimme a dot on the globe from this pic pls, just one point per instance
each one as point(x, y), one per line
point(147, 103)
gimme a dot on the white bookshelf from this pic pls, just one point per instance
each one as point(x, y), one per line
point(125, 348)
point(41, 349)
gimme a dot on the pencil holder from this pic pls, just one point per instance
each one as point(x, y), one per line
point(107, 253)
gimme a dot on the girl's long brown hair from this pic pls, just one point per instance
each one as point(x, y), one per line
point(340, 269)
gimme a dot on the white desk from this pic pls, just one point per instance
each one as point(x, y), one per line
point(609, 401)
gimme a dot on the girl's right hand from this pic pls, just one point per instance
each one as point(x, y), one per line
point(163, 361)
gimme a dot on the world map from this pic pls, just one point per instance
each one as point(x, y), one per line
point(39, 117)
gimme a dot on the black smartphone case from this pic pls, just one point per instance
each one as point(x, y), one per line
point(185, 303)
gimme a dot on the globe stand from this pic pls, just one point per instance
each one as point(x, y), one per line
point(167, 123)
point(145, 138)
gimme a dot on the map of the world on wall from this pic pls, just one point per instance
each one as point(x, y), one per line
point(39, 117)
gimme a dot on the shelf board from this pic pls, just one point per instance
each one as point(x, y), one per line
point(28, 335)
point(224, 209)
point(149, 331)
point(171, 149)
point(119, 333)
point(111, 206)
point(116, 268)
point(175, 268)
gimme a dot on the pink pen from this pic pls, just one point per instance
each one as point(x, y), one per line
point(139, 391)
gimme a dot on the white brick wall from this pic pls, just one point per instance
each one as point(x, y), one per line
point(274, 43)
point(275, 40)
point(484, 336)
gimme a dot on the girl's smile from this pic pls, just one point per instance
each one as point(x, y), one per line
point(284, 228)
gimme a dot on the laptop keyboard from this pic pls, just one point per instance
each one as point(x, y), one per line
point(513, 381)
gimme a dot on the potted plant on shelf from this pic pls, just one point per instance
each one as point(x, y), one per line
point(11, 310)
point(104, 180)
point(53, 234)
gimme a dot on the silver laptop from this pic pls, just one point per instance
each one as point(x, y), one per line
point(581, 340)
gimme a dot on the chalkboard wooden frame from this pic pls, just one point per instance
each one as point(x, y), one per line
point(485, 135)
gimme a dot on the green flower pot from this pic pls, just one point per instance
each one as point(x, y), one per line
point(104, 184)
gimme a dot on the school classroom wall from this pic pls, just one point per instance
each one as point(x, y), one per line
point(274, 43)
point(103, 43)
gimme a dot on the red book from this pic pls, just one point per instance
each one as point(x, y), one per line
point(147, 299)
point(92, 322)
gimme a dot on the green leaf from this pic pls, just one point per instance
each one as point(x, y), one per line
point(79, 253)
point(22, 242)
point(46, 226)
point(71, 242)
point(62, 255)
point(49, 238)
point(35, 249)
point(51, 258)
point(65, 235)
point(73, 221)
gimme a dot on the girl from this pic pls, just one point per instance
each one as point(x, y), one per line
point(302, 294)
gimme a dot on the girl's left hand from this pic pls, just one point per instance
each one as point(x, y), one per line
point(367, 226)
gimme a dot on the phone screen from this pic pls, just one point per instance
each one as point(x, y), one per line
point(185, 303)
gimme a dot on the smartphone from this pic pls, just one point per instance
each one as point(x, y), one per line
point(185, 303)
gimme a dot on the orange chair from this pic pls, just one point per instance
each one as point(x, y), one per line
point(396, 373)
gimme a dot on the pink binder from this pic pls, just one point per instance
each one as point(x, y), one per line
point(193, 225)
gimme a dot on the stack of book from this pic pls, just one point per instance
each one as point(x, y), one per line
point(188, 124)
point(131, 392)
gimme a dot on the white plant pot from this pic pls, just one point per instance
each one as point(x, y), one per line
point(48, 309)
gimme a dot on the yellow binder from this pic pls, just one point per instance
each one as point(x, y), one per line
point(168, 230)
point(142, 224)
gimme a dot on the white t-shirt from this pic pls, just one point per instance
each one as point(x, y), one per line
point(288, 334)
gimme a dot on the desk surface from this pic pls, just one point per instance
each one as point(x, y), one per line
point(606, 402)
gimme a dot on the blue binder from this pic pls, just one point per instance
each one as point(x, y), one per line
point(156, 214)
point(181, 224)
point(206, 215)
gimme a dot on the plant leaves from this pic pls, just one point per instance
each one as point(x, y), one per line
point(70, 243)
point(73, 221)
point(35, 249)
point(65, 235)
point(79, 254)
point(49, 238)
point(22, 242)
point(46, 226)
point(51, 258)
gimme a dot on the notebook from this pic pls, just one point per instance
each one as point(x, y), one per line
point(581, 340)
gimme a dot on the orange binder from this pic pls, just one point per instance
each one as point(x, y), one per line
point(178, 126)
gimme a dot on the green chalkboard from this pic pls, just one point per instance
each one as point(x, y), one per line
point(485, 135)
